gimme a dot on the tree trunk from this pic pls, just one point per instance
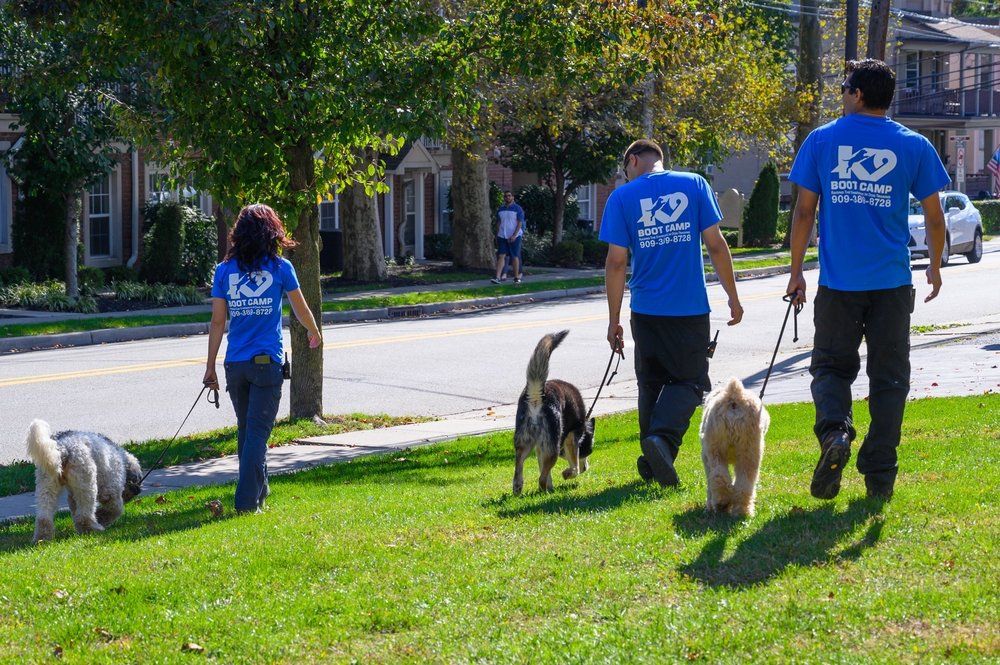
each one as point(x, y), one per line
point(810, 77)
point(364, 256)
point(559, 195)
point(472, 229)
point(307, 373)
point(878, 27)
point(74, 209)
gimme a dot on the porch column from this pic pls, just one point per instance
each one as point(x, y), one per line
point(389, 234)
point(418, 231)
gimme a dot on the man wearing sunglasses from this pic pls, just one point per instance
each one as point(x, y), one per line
point(863, 167)
point(663, 217)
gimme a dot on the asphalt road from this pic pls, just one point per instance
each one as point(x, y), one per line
point(432, 366)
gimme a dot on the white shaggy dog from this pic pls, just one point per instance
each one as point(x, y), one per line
point(733, 426)
point(99, 475)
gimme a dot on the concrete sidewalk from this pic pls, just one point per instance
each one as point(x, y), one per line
point(961, 361)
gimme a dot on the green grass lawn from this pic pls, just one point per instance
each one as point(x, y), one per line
point(425, 556)
point(20, 476)
point(100, 323)
point(424, 297)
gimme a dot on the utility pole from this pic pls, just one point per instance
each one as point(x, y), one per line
point(878, 29)
point(809, 78)
point(851, 32)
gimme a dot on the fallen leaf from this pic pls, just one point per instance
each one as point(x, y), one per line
point(830, 595)
point(57, 651)
point(693, 655)
point(934, 385)
point(60, 594)
point(161, 499)
point(191, 497)
point(105, 634)
point(191, 647)
point(119, 590)
point(215, 507)
point(796, 510)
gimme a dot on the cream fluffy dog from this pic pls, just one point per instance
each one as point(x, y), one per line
point(733, 426)
point(99, 475)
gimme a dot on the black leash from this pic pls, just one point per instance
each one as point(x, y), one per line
point(798, 308)
point(606, 381)
point(212, 393)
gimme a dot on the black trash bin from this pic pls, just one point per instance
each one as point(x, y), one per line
point(331, 257)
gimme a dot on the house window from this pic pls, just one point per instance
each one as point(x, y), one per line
point(409, 212)
point(935, 77)
point(985, 71)
point(161, 187)
point(912, 75)
point(329, 213)
point(6, 212)
point(99, 219)
point(158, 186)
point(445, 205)
point(585, 200)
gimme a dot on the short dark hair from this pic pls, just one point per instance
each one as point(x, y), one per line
point(875, 80)
point(640, 147)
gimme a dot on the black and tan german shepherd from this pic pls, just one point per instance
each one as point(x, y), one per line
point(551, 420)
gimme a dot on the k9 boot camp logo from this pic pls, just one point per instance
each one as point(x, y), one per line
point(860, 171)
point(659, 223)
point(246, 293)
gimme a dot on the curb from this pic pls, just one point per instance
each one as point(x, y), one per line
point(112, 335)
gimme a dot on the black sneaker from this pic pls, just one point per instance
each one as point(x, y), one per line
point(517, 280)
point(495, 280)
point(645, 471)
point(657, 456)
point(879, 488)
point(826, 478)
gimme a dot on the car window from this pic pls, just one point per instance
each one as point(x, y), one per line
point(915, 207)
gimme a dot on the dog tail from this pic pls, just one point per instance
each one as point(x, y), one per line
point(43, 449)
point(538, 366)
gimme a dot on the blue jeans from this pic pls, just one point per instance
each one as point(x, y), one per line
point(256, 391)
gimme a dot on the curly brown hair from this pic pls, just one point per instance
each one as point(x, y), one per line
point(257, 235)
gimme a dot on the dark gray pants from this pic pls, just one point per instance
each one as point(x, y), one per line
point(671, 366)
point(842, 318)
point(256, 392)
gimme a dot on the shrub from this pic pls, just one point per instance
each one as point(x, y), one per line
point(732, 237)
point(91, 280)
point(990, 211)
point(159, 294)
point(13, 276)
point(539, 209)
point(536, 249)
point(595, 252)
point(496, 200)
point(163, 243)
point(48, 296)
point(568, 254)
point(784, 223)
point(121, 274)
point(437, 247)
point(180, 244)
point(201, 249)
point(37, 235)
point(760, 220)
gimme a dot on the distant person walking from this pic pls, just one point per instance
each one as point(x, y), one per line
point(863, 167)
point(247, 290)
point(510, 230)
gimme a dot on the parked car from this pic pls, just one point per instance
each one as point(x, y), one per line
point(963, 224)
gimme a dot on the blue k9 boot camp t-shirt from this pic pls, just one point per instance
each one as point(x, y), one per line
point(660, 217)
point(254, 300)
point(864, 168)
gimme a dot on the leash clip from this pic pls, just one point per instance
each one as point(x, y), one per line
point(213, 397)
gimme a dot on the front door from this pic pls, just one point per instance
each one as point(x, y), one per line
point(407, 236)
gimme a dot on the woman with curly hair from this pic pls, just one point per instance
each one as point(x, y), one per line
point(247, 290)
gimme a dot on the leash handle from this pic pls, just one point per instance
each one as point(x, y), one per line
point(789, 298)
point(213, 393)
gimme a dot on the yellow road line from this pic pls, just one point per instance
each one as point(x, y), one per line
point(372, 341)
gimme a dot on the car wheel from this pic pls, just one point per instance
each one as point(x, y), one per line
point(946, 252)
point(976, 253)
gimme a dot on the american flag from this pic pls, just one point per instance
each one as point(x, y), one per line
point(994, 168)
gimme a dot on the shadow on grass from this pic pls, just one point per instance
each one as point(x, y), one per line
point(798, 537)
point(567, 499)
point(16, 535)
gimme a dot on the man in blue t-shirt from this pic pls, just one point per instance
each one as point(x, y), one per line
point(663, 217)
point(510, 229)
point(863, 167)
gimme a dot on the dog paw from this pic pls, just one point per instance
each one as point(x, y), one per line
point(569, 472)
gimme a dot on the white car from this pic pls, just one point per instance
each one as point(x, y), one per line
point(964, 225)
